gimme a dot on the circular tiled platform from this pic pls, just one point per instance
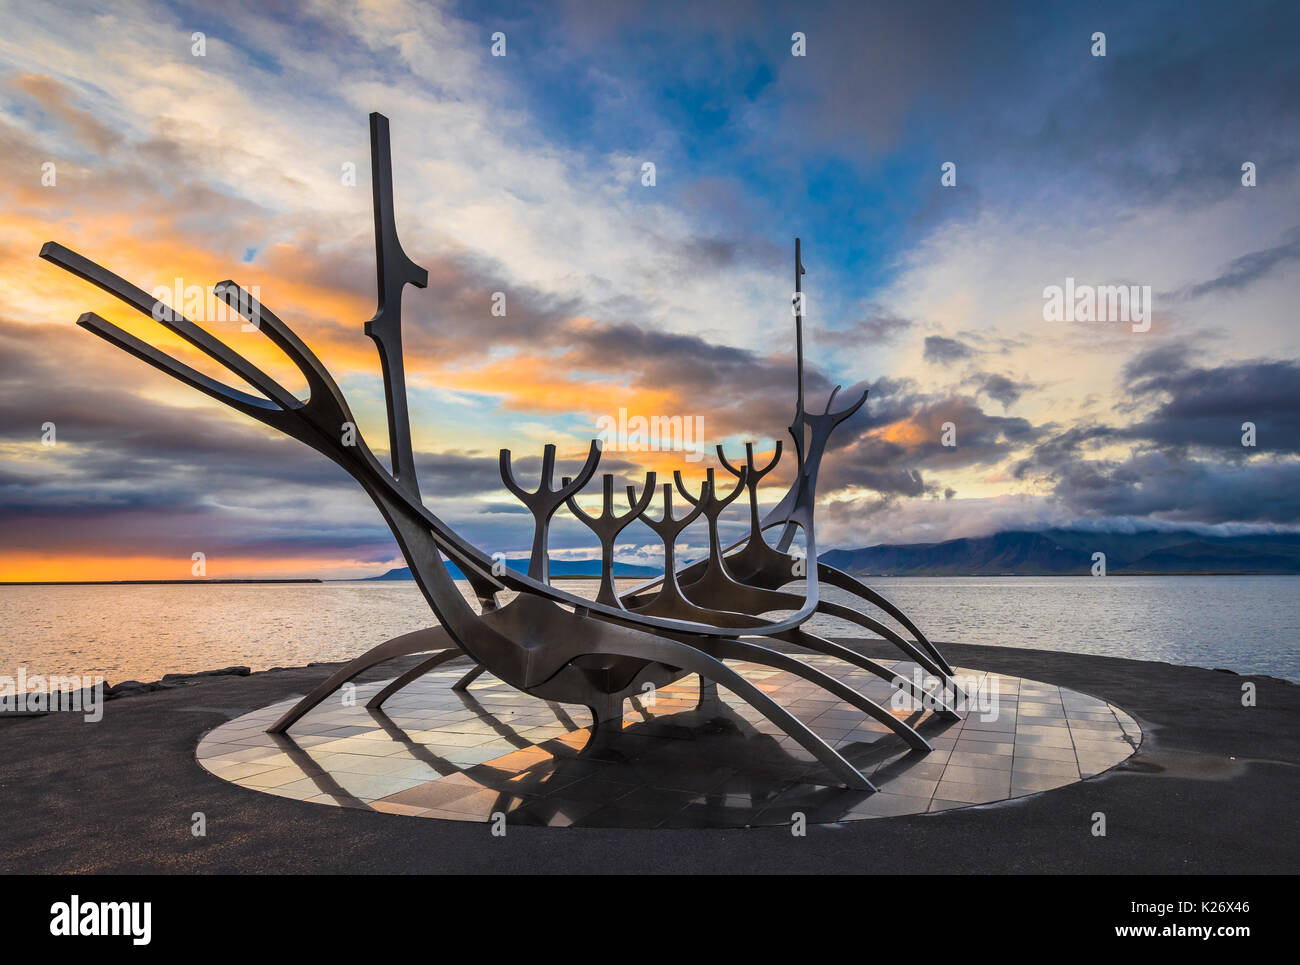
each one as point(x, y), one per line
point(677, 760)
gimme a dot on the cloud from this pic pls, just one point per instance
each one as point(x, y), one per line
point(879, 327)
point(944, 351)
point(521, 175)
point(1185, 461)
point(1169, 486)
point(1003, 389)
point(1206, 406)
point(56, 98)
point(903, 434)
point(1248, 269)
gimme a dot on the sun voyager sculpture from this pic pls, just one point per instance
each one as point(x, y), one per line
point(546, 642)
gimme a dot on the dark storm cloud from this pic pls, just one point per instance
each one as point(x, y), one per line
point(133, 476)
point(64, 375)
point(1186, 464)
point(1181, 99)
point(454, 317)
point(869, 64)
point(713, 254)
point(1204, 406)
point(1173, 487)
point(1171, 356)
point(888, 482)
point(1186, 461)
point(1063, 449)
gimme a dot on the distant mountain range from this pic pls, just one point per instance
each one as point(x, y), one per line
point(560, 569)
point(1049, 552)
point(1063, 552)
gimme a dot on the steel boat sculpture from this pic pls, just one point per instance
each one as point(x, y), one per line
point(547, 642)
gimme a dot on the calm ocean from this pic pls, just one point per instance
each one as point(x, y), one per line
point(1250, 624)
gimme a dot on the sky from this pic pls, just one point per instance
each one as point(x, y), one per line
point(179, 163)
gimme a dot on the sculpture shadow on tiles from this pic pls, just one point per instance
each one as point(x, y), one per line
point(546, 642)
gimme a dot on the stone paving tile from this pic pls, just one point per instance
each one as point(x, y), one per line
point(983, 747)
point(301, 790)
point(389, 807)
point(982, 776)
point(237, 771)
point(1025, 766)
point(910, 786)
point(1000, 724)
point(996, 762)
point(1045, 753)
point(276, 776)
point(1061, 730)
point(925, 770)
point(890, 805)
point(1061, 738)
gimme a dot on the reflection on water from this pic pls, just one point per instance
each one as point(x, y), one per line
point(1248, 624)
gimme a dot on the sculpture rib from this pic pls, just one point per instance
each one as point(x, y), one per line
point(740, 650)
point(407, 643)
point(414, 674)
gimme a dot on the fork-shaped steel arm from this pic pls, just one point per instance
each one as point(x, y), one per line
point(712, 505)
point(752, 476)
point(277, 397)
point(545, 500)
point(755, 554)
point(715, 585)
point(798, 504)
point(608, 525)
point(669, 601)
point(667, 528)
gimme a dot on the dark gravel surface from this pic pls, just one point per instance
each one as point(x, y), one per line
point(1211, 790)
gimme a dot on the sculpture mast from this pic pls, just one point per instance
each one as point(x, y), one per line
point(395, 272)
point(798, 317)
point(797, 426)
